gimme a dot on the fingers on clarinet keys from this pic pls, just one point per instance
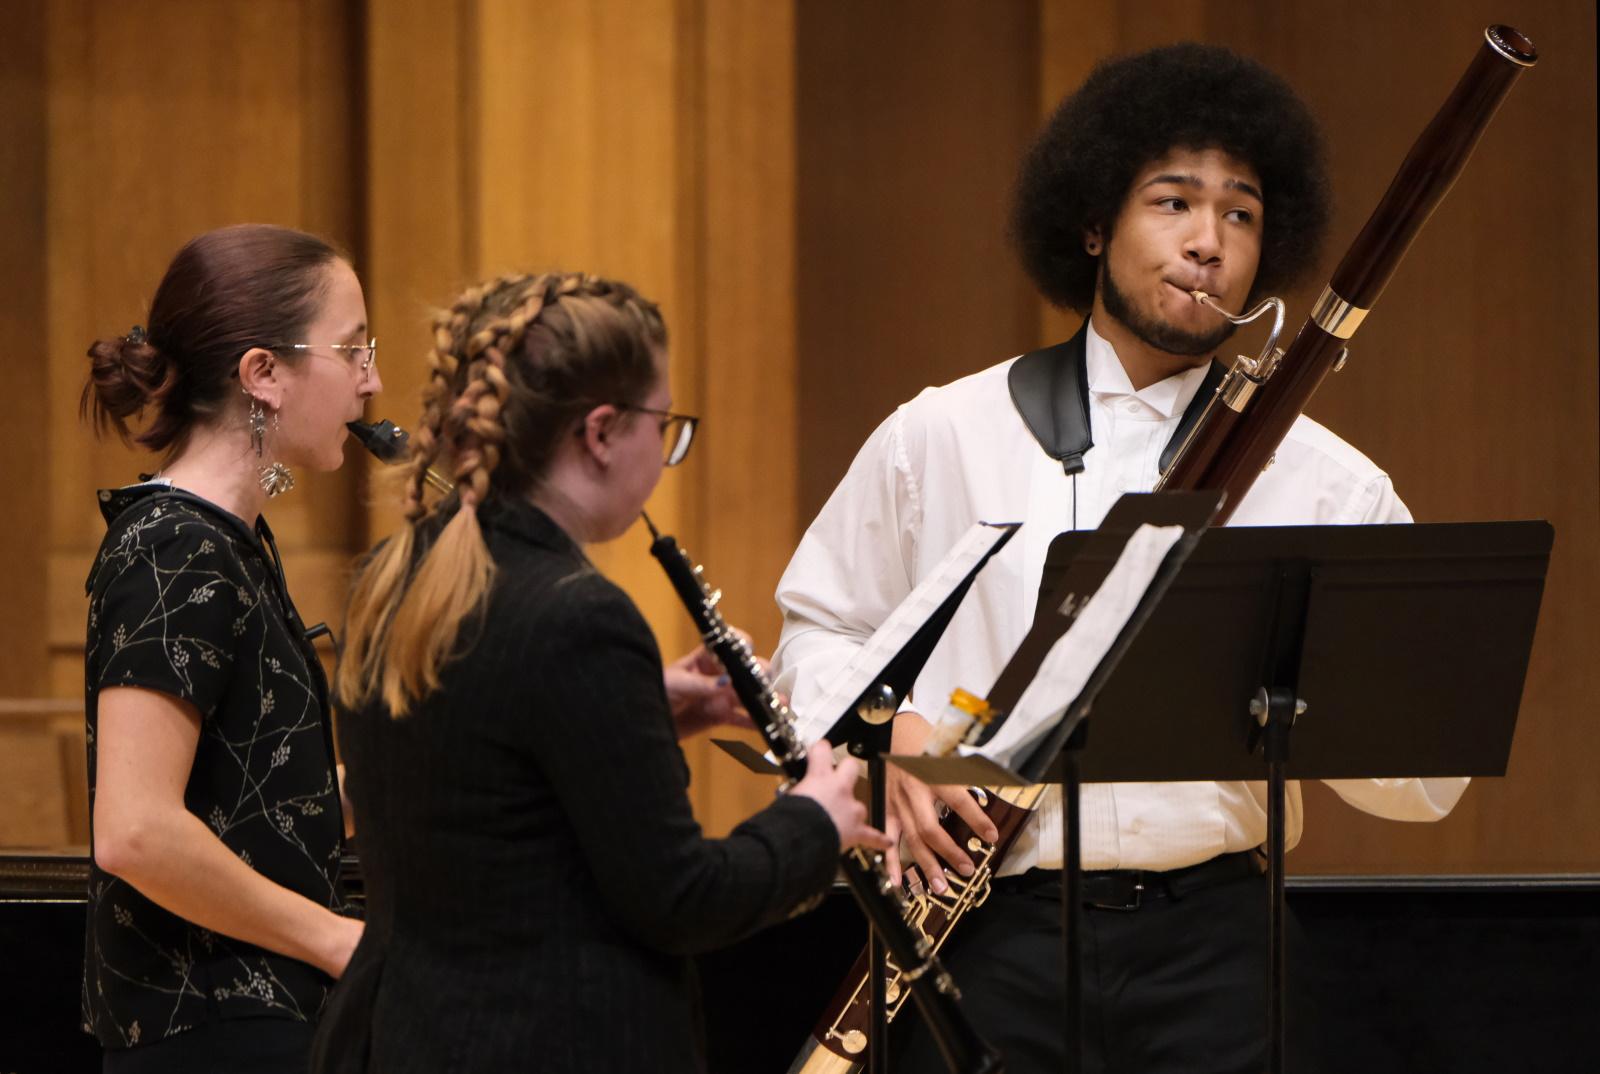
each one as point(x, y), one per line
point(833, 788)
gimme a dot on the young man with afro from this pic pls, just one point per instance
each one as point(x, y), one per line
point(1179, 169)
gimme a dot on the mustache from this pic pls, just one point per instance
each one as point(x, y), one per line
point(1191, 283)
point(1154, 330)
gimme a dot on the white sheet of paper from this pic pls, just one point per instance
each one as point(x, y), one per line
point(1075, 655)
point(890, 637)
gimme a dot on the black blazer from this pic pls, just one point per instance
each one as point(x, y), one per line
point(535, 878)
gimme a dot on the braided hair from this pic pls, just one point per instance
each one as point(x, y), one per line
point(515, 362)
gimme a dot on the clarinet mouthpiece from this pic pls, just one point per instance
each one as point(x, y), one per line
point(384, 439)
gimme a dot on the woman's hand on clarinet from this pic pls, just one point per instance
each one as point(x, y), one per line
point(700, 695)
point(833, 787)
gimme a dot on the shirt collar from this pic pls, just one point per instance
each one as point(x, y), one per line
point(113, 502)
point(515, 515)
point(1109, 380)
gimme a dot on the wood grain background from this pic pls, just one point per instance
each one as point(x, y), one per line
point(815, 192)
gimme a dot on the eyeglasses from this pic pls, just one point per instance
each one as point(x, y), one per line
point(363, 353)
point(677, 431)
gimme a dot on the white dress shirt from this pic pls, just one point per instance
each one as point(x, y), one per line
point(961, 453)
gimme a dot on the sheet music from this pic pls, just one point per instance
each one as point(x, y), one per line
point(1075, 655)
point(892, 636)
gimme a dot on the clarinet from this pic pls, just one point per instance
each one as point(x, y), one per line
point(891, 915)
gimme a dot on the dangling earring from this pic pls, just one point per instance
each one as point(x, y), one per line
point(274, 477)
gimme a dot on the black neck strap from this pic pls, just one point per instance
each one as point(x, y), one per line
point(1050, 389)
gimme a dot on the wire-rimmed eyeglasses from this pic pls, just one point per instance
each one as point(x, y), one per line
point(677, 431)
point(363, 354)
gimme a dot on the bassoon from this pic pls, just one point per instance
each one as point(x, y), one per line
point(1233, 443)
point(1241, 428)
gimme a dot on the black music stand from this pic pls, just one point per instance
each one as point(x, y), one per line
point(1404, 649)
point(864, 729)
point(1064, 589)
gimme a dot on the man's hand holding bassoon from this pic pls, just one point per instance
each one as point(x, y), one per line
point(913, 816)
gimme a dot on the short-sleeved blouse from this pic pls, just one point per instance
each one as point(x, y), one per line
point(187, 600)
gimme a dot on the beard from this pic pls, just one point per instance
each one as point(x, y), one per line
point(1152, 330)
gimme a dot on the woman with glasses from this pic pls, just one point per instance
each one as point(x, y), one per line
point(535, 878)
point(216, 923)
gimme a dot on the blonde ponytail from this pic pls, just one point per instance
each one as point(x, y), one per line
point(525, 353)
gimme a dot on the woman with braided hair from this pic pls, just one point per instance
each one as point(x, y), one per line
point(535, 877)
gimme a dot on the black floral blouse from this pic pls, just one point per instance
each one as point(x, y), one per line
point(185, 599)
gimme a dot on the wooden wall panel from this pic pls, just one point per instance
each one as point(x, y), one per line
point(816, 194)
point(24, 160)
point(1475, 382)
point(750, 455)
point(145, 155)
point(420, 166)
point(33, 794)
point(43, 784)
point(136, 155)
point(33, 809)
point(579, 167)
point(651, 142)
point(911, 118)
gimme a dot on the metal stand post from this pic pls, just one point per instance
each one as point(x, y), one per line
point(1275, 710)
point(877, 969)
point(1072, 903)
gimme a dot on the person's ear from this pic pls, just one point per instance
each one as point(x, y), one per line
point(1093, 241)
point(597, 429)
point(260, 376)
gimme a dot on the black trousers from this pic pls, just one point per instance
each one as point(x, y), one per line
point(232, 1046)
point(1177, 985)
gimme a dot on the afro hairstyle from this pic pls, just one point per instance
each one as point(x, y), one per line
point(1134, 110)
